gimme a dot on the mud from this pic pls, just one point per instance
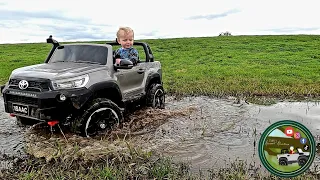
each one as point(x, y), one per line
point(206, 132)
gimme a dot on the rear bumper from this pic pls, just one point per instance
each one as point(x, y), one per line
point(44, 106)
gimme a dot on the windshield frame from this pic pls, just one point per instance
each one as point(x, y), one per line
point(72, 49)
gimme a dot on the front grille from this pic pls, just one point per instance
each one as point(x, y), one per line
point(22, 99)
point(35, 86)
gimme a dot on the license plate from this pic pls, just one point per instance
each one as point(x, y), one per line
point(20, 109)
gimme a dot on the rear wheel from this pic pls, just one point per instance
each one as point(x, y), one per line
point(156, 96)
point(100, 116)
point(302, 161)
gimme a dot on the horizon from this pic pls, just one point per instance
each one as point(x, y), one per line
point(141, 40)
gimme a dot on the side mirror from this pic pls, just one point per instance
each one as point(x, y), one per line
point(124, 64)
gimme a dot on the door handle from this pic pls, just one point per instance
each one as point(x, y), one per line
point(140, 71)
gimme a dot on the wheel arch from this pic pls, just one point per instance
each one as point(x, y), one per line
point(153, 78)
point(109, 90)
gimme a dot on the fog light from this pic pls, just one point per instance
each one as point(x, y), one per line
point(62, 97)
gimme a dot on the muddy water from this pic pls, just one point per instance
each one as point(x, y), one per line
point(223, 130)
point(218, 132)
point(11, 135)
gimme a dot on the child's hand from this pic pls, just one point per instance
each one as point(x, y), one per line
point(118, 61)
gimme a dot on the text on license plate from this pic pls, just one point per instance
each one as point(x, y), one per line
point(20, 108)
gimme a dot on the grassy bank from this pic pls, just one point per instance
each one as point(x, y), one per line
point(274, 66)
point(131, 163)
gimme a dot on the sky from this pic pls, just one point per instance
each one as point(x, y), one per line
point(25, 21)
point(278, 133)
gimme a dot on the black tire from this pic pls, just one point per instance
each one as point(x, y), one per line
point(22, 121)
point(156, 96)
point(302, 161)
point(93, 122)
point(283, 162)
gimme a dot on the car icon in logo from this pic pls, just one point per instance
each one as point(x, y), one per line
point(23, 84)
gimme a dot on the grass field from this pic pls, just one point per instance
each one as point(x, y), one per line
point(243, 66)
point(272, 66)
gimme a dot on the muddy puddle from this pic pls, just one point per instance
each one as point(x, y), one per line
point(206, 132)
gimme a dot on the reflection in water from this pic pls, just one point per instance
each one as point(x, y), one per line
point(218, 131)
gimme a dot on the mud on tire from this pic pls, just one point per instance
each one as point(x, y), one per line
point(100, 115)
point(156, 96)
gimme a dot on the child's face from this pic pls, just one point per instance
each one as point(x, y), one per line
point(126, 39)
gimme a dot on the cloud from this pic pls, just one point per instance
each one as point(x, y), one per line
point(55, 23)
point(149, 34)
point(292, 30)
point(74, 32)
point(24, 15)
point(213, 16)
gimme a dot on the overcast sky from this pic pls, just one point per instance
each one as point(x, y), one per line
point(24, 21)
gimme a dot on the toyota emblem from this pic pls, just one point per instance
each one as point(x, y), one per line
point(23, 84)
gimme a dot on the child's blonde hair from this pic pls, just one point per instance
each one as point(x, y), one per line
point(126, 30)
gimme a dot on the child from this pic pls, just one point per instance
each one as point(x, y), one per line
point(291, 150)
point(125, 37)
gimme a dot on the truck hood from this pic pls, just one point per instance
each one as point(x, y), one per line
point(56, 70)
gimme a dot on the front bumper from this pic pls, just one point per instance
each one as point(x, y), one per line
point(44, 106)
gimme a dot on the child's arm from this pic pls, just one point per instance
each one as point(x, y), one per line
point(117, 56)
point(134, 56)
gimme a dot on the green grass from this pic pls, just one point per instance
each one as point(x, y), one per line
point(272, 66)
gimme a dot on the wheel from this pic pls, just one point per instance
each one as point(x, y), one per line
point(22, 121)
point(302, 161)
point(100, 116)
point(283, 162)
point(156, 96)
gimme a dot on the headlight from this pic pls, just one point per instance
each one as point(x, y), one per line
point(70, 83)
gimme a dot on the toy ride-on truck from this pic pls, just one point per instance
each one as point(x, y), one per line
point(299, 157)
point(79, 84)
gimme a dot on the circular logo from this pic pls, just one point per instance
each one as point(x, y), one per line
point(23, 84)
point(287, 148)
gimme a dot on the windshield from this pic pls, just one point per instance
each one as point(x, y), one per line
point(80, 54)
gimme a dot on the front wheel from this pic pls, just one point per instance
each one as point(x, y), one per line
point(100, 116)
point(283, 162)
point(156, 96)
